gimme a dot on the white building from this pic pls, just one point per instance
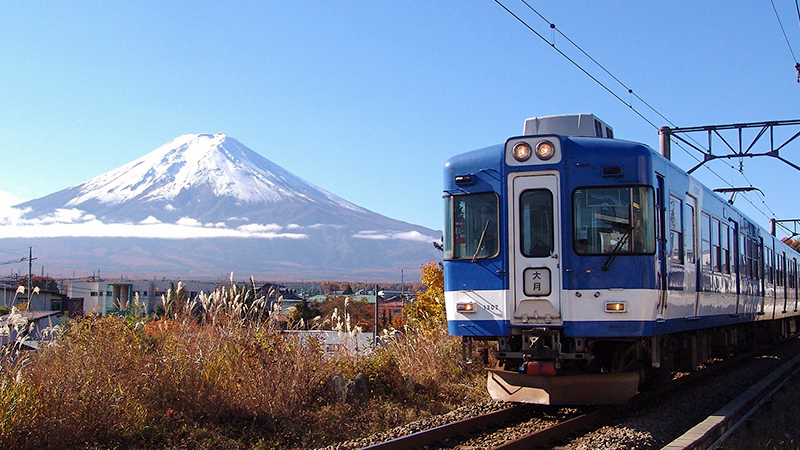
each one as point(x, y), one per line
point(103, 297)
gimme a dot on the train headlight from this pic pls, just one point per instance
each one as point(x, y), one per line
point(466, 307)
point(615, 307)
point(522, 151)
point(544, 150)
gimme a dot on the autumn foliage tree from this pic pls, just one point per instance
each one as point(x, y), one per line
point(43, 283)
point(794, 243)
point(428, 309)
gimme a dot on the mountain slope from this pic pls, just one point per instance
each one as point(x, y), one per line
point(215, 187)
point(201, 176)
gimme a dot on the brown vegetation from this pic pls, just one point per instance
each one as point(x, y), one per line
point(217, 372)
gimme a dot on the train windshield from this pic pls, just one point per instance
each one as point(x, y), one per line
point(613, 220)
point(471, 226)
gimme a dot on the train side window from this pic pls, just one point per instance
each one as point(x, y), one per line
point(688, 234)
point(742, 261)
point(675, 230)
point(769, 270)
point(725, 235)
point(705, 240)
point(716, 253)
point(472, 226)
point(759, 258)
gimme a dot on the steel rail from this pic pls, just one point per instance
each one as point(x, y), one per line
point(446, 431)
point(555, 432)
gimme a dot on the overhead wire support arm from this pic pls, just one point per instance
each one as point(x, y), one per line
point(735, 190)
point(739, 151)
point(775, 223)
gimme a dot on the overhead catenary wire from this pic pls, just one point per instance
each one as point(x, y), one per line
point(628, 89)
point(586, 72)
point(786, 38)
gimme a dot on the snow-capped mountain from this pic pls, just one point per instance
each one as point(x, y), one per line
point(202, 161)
point(210, 178)
point(203, 192)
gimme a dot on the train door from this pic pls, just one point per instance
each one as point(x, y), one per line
point(690, 248)
point(535, 246)
point(762, 285)
point(793, 284)
point(736, 261)
point(782, 280)
point(661, 231)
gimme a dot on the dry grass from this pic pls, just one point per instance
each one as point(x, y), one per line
point(215, 373)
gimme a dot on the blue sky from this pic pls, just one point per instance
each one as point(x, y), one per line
point(369, 99)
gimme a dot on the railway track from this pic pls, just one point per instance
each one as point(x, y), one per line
point(501, 429)
point(553, 424)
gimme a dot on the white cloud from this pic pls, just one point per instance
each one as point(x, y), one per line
point(76, 223)
point(150, 220)
point(7, 213)
point(189, 222)
point(322, 225)
point(401, 235)
point(7, 199)
point(259, 228)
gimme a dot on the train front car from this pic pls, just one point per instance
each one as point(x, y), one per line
point(550, 249)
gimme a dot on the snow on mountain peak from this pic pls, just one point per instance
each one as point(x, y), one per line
point(213, 163)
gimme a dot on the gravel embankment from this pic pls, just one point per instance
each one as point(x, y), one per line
point(651, 427)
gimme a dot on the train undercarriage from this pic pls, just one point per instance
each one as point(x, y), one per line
point(540, 365)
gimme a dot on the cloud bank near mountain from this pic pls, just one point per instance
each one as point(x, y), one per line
point(210, 193)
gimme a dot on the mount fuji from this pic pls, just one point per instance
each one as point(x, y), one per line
point(204, 205)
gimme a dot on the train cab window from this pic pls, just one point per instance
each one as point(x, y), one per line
point(471, 226)
point(536, 223)
point(613, 220)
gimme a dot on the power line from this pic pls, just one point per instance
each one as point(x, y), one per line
point(629, 90)
point(586, 72)
point(777, 16)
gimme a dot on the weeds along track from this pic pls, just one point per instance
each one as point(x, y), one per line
point(651, 420)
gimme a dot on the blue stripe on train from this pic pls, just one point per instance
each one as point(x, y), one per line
point(488, 328)
point(603, 329)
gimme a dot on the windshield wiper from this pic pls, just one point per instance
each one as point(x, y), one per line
point(480, 242)
point(620, 243)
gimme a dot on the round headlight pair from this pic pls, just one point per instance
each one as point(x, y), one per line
point(544, 151)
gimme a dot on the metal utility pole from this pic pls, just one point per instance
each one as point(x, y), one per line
point(375, 336)
point(402, 287)
point(30, 275)
point(775, 222)
point(30, 259)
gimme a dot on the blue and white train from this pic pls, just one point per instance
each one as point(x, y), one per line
point(596, 262)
